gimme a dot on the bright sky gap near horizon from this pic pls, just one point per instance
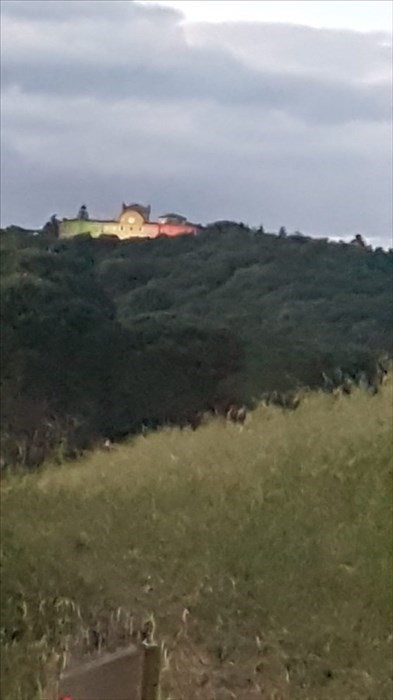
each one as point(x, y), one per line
point(277, 113)
point(369, 15)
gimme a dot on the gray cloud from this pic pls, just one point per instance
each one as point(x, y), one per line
point(99, 60)
point(64, 10)
point(111, 100)
point(208, 77)
point(343, 54)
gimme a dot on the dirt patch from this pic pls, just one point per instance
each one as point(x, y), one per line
point(193, 673)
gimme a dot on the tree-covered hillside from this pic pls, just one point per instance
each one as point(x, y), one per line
point(100, 337)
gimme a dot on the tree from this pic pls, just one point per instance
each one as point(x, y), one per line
point(359, 241)
point(51, 228)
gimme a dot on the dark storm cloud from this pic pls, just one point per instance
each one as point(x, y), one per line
point(112, 100)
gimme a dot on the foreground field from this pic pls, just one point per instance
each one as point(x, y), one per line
point(263, 554)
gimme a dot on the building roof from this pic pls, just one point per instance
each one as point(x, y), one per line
point(92, 221)
point(173, 216)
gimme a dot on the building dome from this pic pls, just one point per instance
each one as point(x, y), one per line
point(144, 211)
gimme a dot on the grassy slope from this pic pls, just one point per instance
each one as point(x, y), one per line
point(277, 538)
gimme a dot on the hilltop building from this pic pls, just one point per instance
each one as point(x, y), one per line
point(133, 222)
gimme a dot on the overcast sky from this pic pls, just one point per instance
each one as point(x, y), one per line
point(255, 112)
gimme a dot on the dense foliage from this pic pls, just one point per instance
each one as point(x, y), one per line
point(101, 337)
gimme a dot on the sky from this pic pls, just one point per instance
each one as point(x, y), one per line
point(273, 113)
point(366, 15)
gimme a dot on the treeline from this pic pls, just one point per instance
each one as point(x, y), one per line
point(102, 337)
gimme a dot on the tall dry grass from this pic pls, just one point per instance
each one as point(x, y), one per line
point(264, 554)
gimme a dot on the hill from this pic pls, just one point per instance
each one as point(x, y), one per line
point(263, 554)
point(101, 337)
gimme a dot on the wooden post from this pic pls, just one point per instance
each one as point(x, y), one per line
point(151, 672)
